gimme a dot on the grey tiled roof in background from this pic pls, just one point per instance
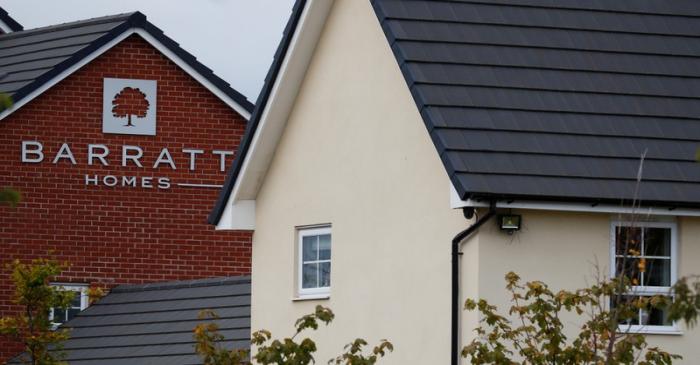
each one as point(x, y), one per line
point(556, 100)
point(30, 58)
point(152, 324)
point(27, 55)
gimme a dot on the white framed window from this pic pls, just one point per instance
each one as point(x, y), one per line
point(80, 302)
point(653, 246)
point(314, 262)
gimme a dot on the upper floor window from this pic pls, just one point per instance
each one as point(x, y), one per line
point(646, 253)
point(314, 264)
point(80, 302)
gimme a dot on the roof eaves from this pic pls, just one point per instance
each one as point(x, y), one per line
point(622, 202)
point(260, 107)
point(11, 23)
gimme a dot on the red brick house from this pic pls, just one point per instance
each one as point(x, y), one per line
point(118, 140)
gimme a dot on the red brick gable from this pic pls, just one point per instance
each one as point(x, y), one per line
point(121, 234)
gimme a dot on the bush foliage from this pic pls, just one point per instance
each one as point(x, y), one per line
point(287, 351)
point(533, 332)
point(32, 327)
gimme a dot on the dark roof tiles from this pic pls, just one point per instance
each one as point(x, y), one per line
point(33, 57)
point(153, 323)
point(556, 100)
point(546, 99)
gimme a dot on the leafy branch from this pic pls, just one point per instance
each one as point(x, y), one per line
point(32, 327)
point(287, 351)
point(540, 338)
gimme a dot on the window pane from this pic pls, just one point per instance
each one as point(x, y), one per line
point(658, 272)
point(59, 315)
point(310, 248)
point(309, 276)
point(325, 274)
point(627, 239)
point(630, 316)
point(656, 317)
point(630, 269)
point(630, 321)
point(75, 303)
point(657, 242)
point(64, 315)
point(324, 247)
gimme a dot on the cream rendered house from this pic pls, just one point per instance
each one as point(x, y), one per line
point(386, 128)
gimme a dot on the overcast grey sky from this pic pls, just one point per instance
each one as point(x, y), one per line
point(235, 38)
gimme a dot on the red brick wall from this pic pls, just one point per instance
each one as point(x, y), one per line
point(116, 235)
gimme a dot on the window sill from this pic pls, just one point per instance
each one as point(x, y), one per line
point(651, 330)
point(302, 298)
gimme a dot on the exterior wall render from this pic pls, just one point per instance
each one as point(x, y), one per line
point(356, 154)
point(567, 251)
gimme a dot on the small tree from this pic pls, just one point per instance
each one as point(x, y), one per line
point(32, 327)
point(130, 102)
point(534, 333)
point(288, 351)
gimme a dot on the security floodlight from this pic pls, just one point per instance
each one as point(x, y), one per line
point(509, 222)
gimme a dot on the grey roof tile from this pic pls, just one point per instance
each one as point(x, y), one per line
point(30, 58)
point(556, 100)
point(153, 323)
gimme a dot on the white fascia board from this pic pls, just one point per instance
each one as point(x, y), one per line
point(4, 27)
point(153, 42)
point(281, 101)
point(279, 105)
point(457, 203)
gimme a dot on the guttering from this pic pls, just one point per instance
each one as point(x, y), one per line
point(456, 244)
point(456, 202)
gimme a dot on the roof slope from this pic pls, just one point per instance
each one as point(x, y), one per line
point(6, 19)
point(152, 324)
point(556, 100)
point(29, 59)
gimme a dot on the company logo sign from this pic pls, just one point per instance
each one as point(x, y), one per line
point(33, 152)
point(129, 106)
